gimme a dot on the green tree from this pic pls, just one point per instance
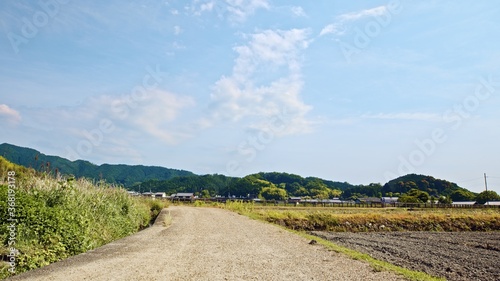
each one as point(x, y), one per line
point(317, 189)
point(335, 193)
point(273, 193)
point(415, 196)
point(205, 194)
point(422, 196)
point(445, 200)
point(301, 191)
point(405, 198)
point(486, 196)
point(462, 195)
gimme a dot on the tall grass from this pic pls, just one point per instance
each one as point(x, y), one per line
point(61, 218)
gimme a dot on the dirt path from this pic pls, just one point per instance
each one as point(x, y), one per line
point(209, 244)
point(457, 256)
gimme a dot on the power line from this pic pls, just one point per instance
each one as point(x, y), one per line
point(469, 180)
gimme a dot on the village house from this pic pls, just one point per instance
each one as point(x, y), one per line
point(389, 200)
point(492, 203)
point(463, 203)
point(294, 199)
point(182, 196)
point(148, 194)
point(369, 200)
point(160, 195)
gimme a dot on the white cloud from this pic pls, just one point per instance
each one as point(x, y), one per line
point(417, 116)
point(153, 114)
point(157, 114)
point(207, 6)
point(377, 11)
point(241, 97)
point(235, 11)
point(204, 7)
point(9, 115)
point(110, 128)
point(240, 9)
point(298, 11)
point(338, 27)
point(331, 29)
point(279, 48)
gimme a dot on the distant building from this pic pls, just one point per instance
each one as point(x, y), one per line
point(369, 200)
point(294, 199)
point(160, 195)
point(493, 203)
point(332, 201)
point(182, 196)
point(459, 203)
point(133, 193)
point(148, 194)
point(389, 200)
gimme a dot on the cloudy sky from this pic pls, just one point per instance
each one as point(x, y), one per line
point(356, 91)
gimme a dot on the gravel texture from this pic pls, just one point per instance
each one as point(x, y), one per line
point(453, 255)
point(209, 244)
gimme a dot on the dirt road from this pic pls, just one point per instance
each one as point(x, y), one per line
point(209, 244)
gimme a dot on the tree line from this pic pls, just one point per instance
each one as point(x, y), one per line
point(280, 186)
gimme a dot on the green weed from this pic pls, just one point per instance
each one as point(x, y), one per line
point(58, 219)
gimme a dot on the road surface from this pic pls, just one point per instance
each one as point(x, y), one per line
point(209, 244)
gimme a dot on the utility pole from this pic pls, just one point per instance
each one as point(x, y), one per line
point(485, 183)
point(486, 186)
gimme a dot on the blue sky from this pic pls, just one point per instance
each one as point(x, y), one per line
point(356, 91)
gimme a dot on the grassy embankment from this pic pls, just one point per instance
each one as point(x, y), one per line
point(60, 218)
point(299, 220)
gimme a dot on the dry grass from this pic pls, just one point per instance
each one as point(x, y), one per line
point(382, 219)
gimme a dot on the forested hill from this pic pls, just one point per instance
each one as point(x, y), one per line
point(266, 184)
point(253, 185)
point(292, 179)
point(428, 184)
point(123, 174)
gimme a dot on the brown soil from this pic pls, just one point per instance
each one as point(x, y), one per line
point(209, 244)
point(453, 255)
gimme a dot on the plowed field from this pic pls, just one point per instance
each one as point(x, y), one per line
point(453, 255)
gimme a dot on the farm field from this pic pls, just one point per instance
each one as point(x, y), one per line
point(453, 255)
point(380, 219)
point(401, 236)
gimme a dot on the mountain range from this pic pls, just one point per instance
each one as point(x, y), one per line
point(154, 178)
point(126, 175)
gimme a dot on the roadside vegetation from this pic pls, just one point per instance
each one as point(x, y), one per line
point(58, 218)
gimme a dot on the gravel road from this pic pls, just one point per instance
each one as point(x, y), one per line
point(209, 244)
point(457, 256)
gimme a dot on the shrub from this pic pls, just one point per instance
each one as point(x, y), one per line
point(57, 219)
